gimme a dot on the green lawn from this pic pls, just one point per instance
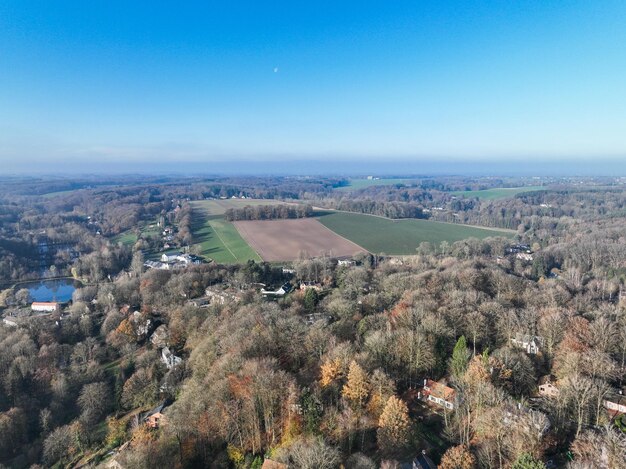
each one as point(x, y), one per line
point(217, 238)
point(400, 237)
point(356, 184)
point(499, 193)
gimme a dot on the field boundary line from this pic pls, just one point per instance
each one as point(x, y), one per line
point(225, 245)
point(343, 237)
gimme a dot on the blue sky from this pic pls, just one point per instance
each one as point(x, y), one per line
point(224, 81)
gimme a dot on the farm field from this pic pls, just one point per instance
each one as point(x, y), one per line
point(499, 193)
point(356, 184)
point(284, 240)
point(216, 238)
point(219, 206)
point(400, 237)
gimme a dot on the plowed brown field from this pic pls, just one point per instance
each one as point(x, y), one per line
point(285, 240)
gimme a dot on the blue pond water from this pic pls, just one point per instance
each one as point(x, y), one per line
point(51, 290)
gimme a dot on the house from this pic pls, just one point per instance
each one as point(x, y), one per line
point(171, 257)
point(200, 302)
point(531, 343)
point(282, 291)
point(530, 420)
point(524, 256)
point(310, 285)
point(169, 358)
point(288, 271)
point(155, 416)
point(518, 248)
point(48, 307)
point(438, 393)
point(547, 387)
point(346, 262)
point(615, 403)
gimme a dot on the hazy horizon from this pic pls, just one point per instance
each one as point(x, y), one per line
point(116, 86)
point(344, 168)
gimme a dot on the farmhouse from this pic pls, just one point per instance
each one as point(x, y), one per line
point(48, 307)
point(310, 285)
point(438, 393)
point(531, 343)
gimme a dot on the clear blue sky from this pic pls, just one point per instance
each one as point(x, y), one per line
point(123, 81)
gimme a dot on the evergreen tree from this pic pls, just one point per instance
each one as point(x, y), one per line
point(460, 358)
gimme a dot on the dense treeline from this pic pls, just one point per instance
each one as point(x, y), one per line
point(372, 207)
point(269, 212)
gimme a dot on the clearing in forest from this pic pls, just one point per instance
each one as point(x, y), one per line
point(356, 184)
point(499, 192)
point(284, 240)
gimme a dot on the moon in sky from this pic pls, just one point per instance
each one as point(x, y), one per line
point(275, 69)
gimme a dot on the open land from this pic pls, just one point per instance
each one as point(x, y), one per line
point(219, 206)
point(217, 238)
point(283, 240)
point(499, 193)
point(400, 237)
point(356, 184)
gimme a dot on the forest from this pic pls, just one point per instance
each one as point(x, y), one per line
point(492, 353)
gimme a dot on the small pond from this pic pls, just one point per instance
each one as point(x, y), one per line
point(51, 290)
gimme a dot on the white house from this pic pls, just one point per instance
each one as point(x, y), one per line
point(346, 262)
point(169, 358)
point(282, 291)
point(171, 257)
point(531, 343)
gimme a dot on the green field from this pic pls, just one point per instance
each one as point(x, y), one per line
point(217, 238)
point(356, 184)
point(498, 193)
point(129, 237)
point(400, 237)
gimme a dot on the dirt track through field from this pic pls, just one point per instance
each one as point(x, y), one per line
point(285, 240)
